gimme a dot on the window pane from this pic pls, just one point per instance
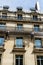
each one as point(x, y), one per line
point(19, 26)
point(35, 17)
point(19, 42)
point(2, 27)
point(0, 59)
point(4, 15)
point(19, 17)
point(41, 62)
point(36, 28)
point(37, 43)
point(1, 41)
point(38, 62)
point(19, 59)
point(16, 61)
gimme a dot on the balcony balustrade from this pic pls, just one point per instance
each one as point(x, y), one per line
point(19, 48)
point(20, 19)
point(15, 29)
point(38, 49)
point(21, 30)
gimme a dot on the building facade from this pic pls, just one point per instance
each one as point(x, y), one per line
point(21, 37)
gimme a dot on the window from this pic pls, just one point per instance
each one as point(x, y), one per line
point(2, 26)
point(4, 15)
point(37, 42)
point(36, 28)
point(19, 16)
point(35, 17)
point(1, 41)
point(19, 59)
point(0, 58)
point(39, 60)
point(19, 26)
point(19, 42)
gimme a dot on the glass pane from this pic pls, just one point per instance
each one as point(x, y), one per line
point(19, 42)
point(37, 43)
point(41, 62)
point(21, 61)
point(16, 61)
point(19, 26)
point(1, 41)
point(35, 18)
point(19, 56)
point(0, 58)
point(19, 17)
point(38, 62)
point(4, 16)
point(36, 28)
point(2, 27)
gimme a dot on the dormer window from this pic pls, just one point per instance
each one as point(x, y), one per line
point(5, 7)
point(19, 8)
point(4, 15)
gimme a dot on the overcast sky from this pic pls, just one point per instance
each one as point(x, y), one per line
point(26, 4)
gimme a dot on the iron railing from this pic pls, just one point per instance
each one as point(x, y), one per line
point(20, 19)
point(19, 29)
point(12, 29)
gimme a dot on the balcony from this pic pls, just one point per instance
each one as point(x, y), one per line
point(22, 30)
point(38, 49)
point(19, 48)
point(15, 30)
point(25, 19)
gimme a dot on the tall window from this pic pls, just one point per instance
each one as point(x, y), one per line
point(19, 26)
point(19, 42)
point(2, 26)
point(37, 42)
point(4, 15)
point(19, 16)
point(1, 41)
point(36, 28)
point(19, 59)
point(39, 60)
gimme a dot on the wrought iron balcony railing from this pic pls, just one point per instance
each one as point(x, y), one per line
point(38, 46)
point(19, 48)
point(20, 19)
point(19, 29)
point(38, 49)
point(15, 29)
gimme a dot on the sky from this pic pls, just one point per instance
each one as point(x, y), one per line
point(26, 4)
